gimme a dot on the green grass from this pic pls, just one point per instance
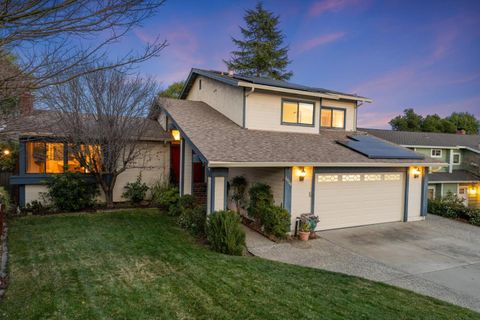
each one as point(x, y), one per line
point(139, 265)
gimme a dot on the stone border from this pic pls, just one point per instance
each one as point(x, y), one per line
point(3, 259)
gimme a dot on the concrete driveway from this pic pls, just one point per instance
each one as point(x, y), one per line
point(436, 257)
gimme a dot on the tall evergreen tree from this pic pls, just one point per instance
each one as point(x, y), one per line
point(261, 53)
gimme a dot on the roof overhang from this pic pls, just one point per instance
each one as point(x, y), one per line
point(216, 164)
point(454, 181)
point(440, 147)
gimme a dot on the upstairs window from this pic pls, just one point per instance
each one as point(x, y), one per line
point(436, 153)
point(298, 113)
point(456, 158)
point(332, 118)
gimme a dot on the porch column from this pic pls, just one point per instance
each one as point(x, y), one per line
point(186, 168)
point(424, 208)
point(287, 189)
point(217, 189)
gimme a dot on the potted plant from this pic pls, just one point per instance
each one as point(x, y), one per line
point(304, 232)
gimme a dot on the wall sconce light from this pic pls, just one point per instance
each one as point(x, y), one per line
point(176, 135)
point(6, 152)
point(416, 172)
point(301, 173)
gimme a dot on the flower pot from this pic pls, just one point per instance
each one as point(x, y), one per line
point(303, 236)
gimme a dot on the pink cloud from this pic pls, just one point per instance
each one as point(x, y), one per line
point(318, 41)
point(323, 6)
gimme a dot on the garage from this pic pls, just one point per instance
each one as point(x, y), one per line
point(355, 199)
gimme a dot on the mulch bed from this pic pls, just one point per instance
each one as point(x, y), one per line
point(255, 226)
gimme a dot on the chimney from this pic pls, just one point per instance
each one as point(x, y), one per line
point(461, 131)
point(25, 104)
point(230, 73)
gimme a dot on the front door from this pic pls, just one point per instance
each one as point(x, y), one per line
point(174, 164)
point(463, 195)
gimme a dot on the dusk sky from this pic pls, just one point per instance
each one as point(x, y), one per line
point(419, 54)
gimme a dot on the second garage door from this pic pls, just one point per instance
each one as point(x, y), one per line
point(355, 199)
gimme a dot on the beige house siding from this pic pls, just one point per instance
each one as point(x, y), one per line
point(264, 112)
point(301, 194)
point(351, 111)
point(414, 197)
point(154, 166)
point(226, 99)
point(271, 176)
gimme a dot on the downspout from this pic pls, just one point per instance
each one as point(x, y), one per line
point(252, 89)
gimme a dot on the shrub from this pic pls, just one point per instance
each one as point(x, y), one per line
point(193, 219)
point(37, 208)
point(474, 216)
point(4, 199)
point(276, 221)
point(71, 192)
point(135, 191)
point(183, 202)
point(452, 207)
point(260, 197)
point(225, 234)
point(238, 185)
point(164, 196)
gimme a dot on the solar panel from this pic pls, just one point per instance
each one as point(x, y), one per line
point(375, 148)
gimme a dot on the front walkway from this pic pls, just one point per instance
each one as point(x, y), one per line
point(437, 257)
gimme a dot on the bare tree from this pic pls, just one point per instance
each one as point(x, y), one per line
point(102, 115)
point(41, 35)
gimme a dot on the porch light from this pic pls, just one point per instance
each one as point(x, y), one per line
point(472, 191)
point(176, 135)
point(6, 152)
point(301, 173)
point(416, 172)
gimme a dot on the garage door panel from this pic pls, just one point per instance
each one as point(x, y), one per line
point(355, 202)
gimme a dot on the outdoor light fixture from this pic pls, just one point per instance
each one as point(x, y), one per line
point(416, 172)
point(472, 191)
point(6, 152)
point(301, 173)
point(176, 135)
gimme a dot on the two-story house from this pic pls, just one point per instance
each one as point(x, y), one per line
point(462, 153)
point(302, 141)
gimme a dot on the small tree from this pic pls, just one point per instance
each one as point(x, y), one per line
point(410, 121)
point(173, 91)
point(102, 115)
point(465, 121)
point(238, 186)
point(261, 53)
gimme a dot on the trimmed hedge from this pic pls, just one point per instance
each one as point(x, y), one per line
point(451, 206)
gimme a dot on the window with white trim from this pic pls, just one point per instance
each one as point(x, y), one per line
point(328, 178)
point(456, 158)
point(436, 153)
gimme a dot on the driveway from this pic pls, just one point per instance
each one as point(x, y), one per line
point(437, 257)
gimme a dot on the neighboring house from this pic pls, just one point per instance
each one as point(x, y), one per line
point(42, 153)
point(302, 141)
point(462, 153)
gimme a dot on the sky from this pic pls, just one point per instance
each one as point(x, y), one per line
point(402, 54)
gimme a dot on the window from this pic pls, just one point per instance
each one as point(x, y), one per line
point(392, 177)
point(436, 153)
point(372, 177)
point(92, 156)
point(44, 157)
point(456, 158)
point(350, 177)
point(49, 157)
point(329, 178)
point(332, 118)
point(295, 112)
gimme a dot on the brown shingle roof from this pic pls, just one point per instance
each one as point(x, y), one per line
point(222, 141)
point(44, 123)
point(433, 139)
point(455, 176)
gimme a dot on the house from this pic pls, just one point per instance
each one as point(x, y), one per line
point(43, 153)
point(462, 153)
point(300, 140)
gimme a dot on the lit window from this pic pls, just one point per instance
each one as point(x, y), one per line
point(350, 177)
point(298, 112)
point(44, 157)
point(76, 155)
point(436, 153)
point(456, 158)
point(328, 178)
point(392, 177)
point(332, 118)
point(372, 177)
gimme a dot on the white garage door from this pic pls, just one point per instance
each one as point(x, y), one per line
point(355, 199)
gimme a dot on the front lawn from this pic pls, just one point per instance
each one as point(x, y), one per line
point(139, 265)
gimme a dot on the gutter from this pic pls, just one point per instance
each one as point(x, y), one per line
point(215, 164)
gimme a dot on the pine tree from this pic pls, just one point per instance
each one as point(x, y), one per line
point(261, 53)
